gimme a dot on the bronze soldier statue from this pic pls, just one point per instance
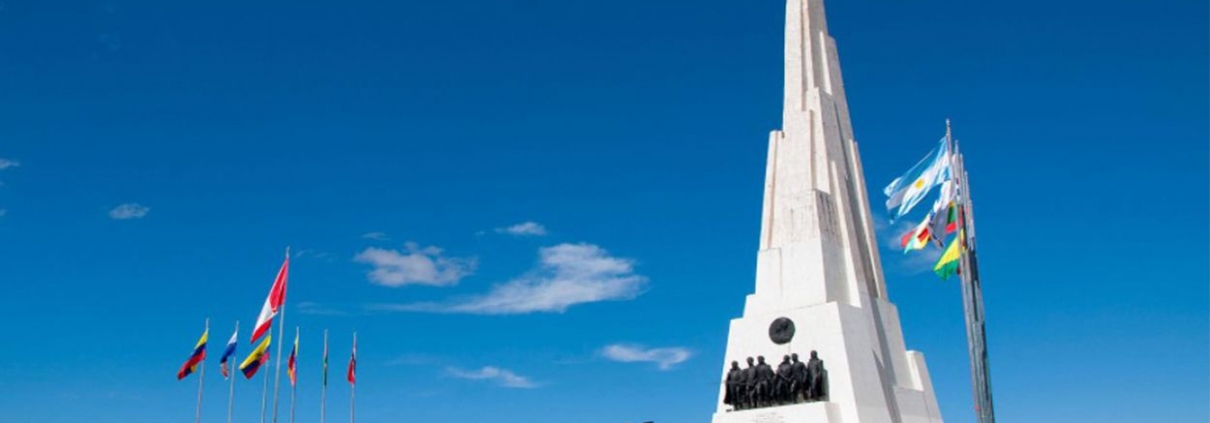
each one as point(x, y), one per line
point(784, 381)
point(748, 391)
point(817, 379)
point(735, 383)
point(799, 371)
point(764, 382)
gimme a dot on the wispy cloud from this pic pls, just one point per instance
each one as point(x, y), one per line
point(567, 275)
point(317, 309)
point(377, 236)
point(5, 164)
point(665, 358)
point(314, 254)
point(502, 377)
point(413, 359)
point(890, 235)
point(415, 265)
point(523, 229)
point(129, 211)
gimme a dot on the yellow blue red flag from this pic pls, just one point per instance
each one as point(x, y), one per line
point(257, 358)
point(195, 359)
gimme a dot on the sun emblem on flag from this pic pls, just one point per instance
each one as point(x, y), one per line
point(919, 183)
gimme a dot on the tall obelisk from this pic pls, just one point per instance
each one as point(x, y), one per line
point(818, 269)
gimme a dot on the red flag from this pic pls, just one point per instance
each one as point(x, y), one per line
point(274, 302)
point(353, 363)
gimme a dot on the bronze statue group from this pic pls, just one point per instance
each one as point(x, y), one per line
point(760, 386)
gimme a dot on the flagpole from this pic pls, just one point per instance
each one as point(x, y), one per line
point(977, 326)
point(323, 391)
point(293, 384)
point(264, 396)
point(201, 373)
point(231, 394)
point(972, 299)
point(280, 335)
point(353, 385)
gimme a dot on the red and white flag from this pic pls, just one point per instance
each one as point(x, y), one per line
point(275, 301)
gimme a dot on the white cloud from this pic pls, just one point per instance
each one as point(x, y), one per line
point(377, 236)
point(6, 163)
point(415, 265)
point(503, 377)
point(665, 358)
point(567, 274)
point(129, 211)
point(893, 233)
point(915, 262)
point(524, 229)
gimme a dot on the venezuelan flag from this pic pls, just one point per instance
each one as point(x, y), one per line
point(199, 355)
point(256, 359)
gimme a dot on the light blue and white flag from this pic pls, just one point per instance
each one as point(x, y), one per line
point(908, 190)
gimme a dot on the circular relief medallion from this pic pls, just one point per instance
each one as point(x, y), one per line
point(781, 331)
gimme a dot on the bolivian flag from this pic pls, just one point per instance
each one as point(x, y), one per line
point(948, 265)
point(199, 355)
point(256, 359)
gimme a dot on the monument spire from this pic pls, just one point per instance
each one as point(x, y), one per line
point(818, 262)
point(814, 189)
point(805, 67)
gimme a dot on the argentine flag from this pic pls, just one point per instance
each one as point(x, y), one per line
point(908, 190)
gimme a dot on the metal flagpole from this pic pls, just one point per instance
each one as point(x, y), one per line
point(978, 328)
point(293, 385)
point(280, 335)
point(201, 373)
point(323, 391)
point(264, 395)
point(972, 299)
point(231, 395)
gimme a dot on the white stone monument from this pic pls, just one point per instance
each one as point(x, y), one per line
point(818, 263)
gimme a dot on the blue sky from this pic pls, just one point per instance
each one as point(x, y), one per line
point(159, 156)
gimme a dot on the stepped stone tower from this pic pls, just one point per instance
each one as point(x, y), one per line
point(818, 265)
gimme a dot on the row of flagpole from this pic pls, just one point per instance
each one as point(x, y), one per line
point(274, 305)
point(951, 212)
point(972, 293)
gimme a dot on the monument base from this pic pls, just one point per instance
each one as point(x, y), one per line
point(811, 412)
point(871, 377)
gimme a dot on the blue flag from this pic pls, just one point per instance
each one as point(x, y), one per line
point(906, 191)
